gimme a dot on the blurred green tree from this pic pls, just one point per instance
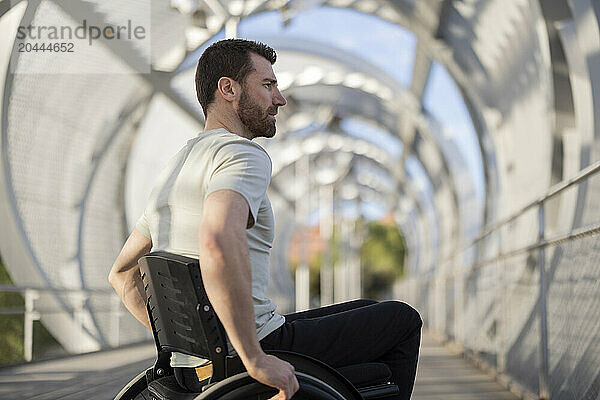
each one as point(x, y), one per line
point(11, 328)
point(382, 254)
point(382, 258)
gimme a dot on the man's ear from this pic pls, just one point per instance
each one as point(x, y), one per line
point(227, 88)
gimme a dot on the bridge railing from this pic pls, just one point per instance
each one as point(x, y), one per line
point(75, 305)
point(523, 297)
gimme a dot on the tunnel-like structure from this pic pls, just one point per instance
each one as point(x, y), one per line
point(474, 125)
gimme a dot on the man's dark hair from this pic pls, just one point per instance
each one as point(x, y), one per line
point(230, 58)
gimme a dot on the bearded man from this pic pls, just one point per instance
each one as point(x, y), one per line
point(211, 203)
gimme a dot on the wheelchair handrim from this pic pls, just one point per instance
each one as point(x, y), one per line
point(244, 386)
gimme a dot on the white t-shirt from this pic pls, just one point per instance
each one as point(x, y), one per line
point(215, 160)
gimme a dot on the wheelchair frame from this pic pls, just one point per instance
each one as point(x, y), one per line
point(183, 320)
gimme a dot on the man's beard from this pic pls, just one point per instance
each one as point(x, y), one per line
point(254, 119)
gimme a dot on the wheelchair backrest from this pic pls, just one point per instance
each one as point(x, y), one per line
point(182, 318)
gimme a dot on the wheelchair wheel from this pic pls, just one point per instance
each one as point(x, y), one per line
point(243, 387)
point(136, 389)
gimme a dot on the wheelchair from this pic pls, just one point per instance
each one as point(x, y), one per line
point(183, 320)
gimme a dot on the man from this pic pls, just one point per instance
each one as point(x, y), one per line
point(211, 203)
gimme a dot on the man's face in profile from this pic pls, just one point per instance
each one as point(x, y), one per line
point(260, 99)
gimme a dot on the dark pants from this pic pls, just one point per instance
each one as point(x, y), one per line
point(356, 332)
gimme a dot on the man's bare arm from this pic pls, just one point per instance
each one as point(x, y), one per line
point(125, 276)
point(225, 265)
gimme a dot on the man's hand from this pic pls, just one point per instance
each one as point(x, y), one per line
point(276, 373)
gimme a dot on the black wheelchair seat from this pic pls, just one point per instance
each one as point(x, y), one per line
point(183, 320)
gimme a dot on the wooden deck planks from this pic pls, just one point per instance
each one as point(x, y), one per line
point(443, 375)
point(99, 376)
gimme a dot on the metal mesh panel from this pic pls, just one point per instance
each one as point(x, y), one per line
point(591, 207)
point(520, 333)
point(493, 304)
point(120, 12)
point(521, 232)
point(103, 232)
point(80, 60)
point(168, 34)
point(561, 212)
point(574, 319)
point(54, 159)
point(184, 84)
point(66, 172)
point(450, 296)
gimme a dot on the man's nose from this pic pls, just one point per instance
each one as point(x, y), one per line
point(279, 100)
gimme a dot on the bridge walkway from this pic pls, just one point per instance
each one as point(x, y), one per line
point(99, 376)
